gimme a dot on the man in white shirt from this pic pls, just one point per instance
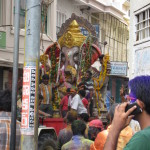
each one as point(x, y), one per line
point(75, 102)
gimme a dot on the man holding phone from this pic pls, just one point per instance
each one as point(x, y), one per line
point(140, 88)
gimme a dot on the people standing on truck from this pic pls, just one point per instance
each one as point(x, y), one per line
point(89, 88)
point(84, 100)
point(46, 91)
point(42, 113)
point(64, 104)
point(81, 86)
point(75, 102)
point(78, 142)
point(65, 134)
point(5, 122)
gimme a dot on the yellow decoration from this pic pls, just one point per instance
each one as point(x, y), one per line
point(72, 37)
point(43, 59)
point(72, 70)
point(100, 81)
point(62, 89)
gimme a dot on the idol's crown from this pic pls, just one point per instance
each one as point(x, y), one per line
point(72, 37)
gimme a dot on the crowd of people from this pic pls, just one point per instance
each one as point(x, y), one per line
point(120, 133)
point(81, 133)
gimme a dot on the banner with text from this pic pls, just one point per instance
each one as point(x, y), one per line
point(28, 97)
point(119, 68)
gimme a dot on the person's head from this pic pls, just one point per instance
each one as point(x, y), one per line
point(71, 116)
point(82, 93)
point(45, 79)
point(101, 58)
point(112, 111)
point(68, 91)
point(5, 100)
point(81, 86)
point(72, 92)
point(95, 126)
point(84, 117)
point(140, 89)
point(92, 133)
point(78, 127)
point(88, 75)
point(40, 98)
point(47, 67)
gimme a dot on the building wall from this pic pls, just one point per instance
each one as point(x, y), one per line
point(115, 32)
point(64, 6)
point(7, 53)
point(139, 54)
point(68, 7)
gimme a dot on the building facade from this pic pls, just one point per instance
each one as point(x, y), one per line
point(109, 17)
point(139, 53)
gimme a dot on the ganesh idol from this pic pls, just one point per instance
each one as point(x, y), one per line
point(65, 55)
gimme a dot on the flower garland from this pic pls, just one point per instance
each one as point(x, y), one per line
point(100, 81)
point(54, 57)
point(86, 56)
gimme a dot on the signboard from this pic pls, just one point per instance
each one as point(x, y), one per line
point(28, 97)
point(86, 33)
point(3, 40)
point(119, 68)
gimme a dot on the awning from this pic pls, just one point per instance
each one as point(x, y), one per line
point(9, 63)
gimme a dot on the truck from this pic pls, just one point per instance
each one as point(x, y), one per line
point(48, 131)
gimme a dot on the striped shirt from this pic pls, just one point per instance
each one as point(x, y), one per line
point(5, 131)
point(89, 86)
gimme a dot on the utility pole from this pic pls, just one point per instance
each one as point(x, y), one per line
point(29, 119)
point(15, 76)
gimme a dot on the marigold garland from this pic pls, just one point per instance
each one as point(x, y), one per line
point(101, 80)
point(86, 58)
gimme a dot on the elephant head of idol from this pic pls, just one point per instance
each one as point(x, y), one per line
point(70, 43)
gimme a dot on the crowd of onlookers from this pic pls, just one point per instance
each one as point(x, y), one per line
point(123, 132)
point(81, 133)
point(93, 135)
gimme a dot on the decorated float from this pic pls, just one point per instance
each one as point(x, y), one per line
point(66, 60)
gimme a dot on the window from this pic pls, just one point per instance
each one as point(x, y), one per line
point(61, 18)
point(143, 25)
point(44, 10)
point(115, 33)
point(22, 16)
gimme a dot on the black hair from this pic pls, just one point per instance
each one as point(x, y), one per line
point(81, 84)
point(82, 93)
point(101, 57)
point(84, 117)
point(140, 87)
point(112, 111)
point(45, 77)
point(5, 100)
point(68, 90)
point(92, 133)
point(78, 127)
point(89, 72)
point(40, 97)
point(71, 116)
